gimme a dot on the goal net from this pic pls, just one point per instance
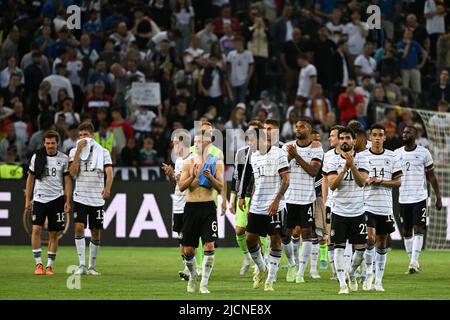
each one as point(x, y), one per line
point(437, 131)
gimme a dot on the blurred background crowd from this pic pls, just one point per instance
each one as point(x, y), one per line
point(225, 61)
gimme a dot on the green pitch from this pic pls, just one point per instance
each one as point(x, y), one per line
point(152, 273)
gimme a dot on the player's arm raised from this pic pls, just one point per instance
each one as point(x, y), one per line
point(75, 165)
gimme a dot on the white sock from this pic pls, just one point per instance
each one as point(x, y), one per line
point(304, 256)
point(314, 255)
point(380, 259)
point(340, 265)
point(247, 258)
point(80, 243)
point(190, 264)
point(37, 256)
point(296, 246)
point(331, 258)
point(274, 262)
point(258, 258)
point(348, 253)
point(94, 245)
point(289, 251)
point(51, 257)
point(207, 266)
point(416, 247)
point(368, 259)
point(358, 257)
point(408, 246)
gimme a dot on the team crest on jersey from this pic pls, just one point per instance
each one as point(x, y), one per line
point(59, 163)
point(75, 215)
point(387, 162)
point(180, 235)
point(33, 217)
point(332, 232)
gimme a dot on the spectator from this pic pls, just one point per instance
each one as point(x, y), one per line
point(9, 47)
point(282, 29)
point(288, 129)
point(389, 64)
point(268, 105)
point(86, 49)
point(130, 153)
point(147, 155)
point(240, 70)
point(237, 118)
point(160, 13)
point(341, 70)
point(71, 141)
point(119, 122)
point(5, 112)
point(226, 18)
point(409, 63)
point(227, 40)
point(181, 115)
point(132, 69)
point(115, 19)
point(319, 107)
point(14, 90)
point(58, 81)
point(12, 140)
point(307, 79)
point(335, 27)
point(194, 51)
point(161, 141)
point(308, 23)
point(357, 32)
point(323, 49)
point(45, 41)
point(261, 116)
point(443, 52)
point(120, 84)
point(28, 60)
point(105, 137)
point(33, 73)
point(109, 55)
point(207, 36)
point(407, 120)
point(389, 122)
point(365, 90)
point(144, 28)
point(122, 38)
point(5, 75)
point(141, 121)
point(98, 99)
point(72, 118)
point(64, 41)
point(183, 20)
point(100, 73)
point(421, 140)
point(348, 101)
point(391, 90)
point(21, 121)
point(11, 168)
point(324, 8)
point(94, 30)
point(435, 16)
point(420, 34)
point(258, 44)
point(365, 65)
point(390, 10)
point(439, 90)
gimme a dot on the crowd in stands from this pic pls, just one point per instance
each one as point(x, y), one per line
point(225, 61)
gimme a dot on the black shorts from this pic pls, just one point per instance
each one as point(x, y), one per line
point(82, 212)
point(413, 214)
point(382, 224)
point(264, 225)
point(177, 223)
point(328, 215)
point(53, 210)
point(299, 215)
point(199, 221)
point(353, 229)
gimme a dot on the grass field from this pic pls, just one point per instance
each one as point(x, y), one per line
point(152, 273)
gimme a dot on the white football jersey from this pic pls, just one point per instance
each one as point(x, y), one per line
point(415, 164)
point(51, 186)
point(89, 184)
point(266, 171)
point(378, 199)
point(301, 185)
point(348, 197)
point(326, 159)
point(179, 198)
